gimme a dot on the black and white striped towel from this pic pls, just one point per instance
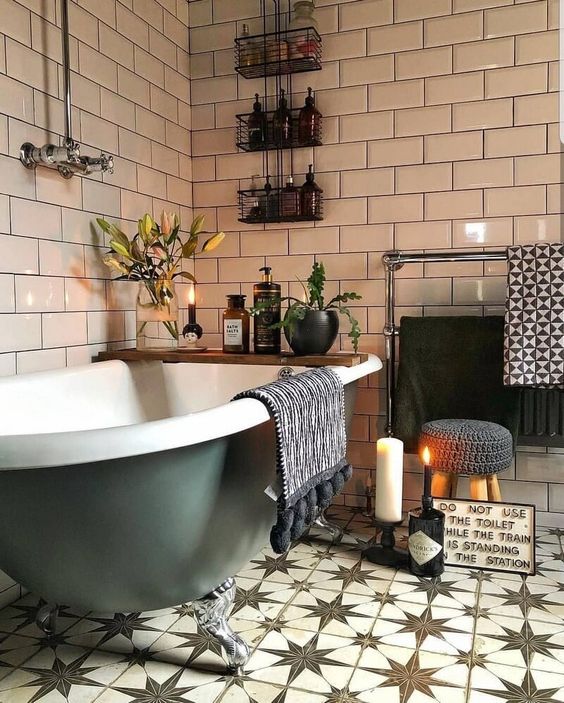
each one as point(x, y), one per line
point(309, 416)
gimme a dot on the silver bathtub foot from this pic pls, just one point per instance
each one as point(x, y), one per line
point(334, 530)
point(211, 613)
point(46, 618)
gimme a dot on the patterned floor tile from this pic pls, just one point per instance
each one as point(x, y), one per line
point(402, 675)
point(521, 642)
point(289, 568)
point(156, 682)
point(451, 590)
point(330, 612)
point(185, 645)
point(119, 632)
point(244, 690)
point(535, 601)
point(424, 627)
point(306, 660)
point(349, 575)
point(511, 684)
point(64, 673)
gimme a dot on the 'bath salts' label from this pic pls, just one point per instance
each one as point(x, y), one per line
point(422, 548)
point(233, 332)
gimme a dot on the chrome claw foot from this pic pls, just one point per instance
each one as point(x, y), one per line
point(334, 530)
point(211, 613)
point(46, 618)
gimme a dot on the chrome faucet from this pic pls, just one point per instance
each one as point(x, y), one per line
point(65, 159)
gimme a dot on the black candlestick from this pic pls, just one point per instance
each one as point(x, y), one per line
point(386, 553)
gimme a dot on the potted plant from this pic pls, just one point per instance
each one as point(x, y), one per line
point(154, 257)
point(311, 325)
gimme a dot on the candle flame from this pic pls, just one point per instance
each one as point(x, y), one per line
point(426, 456)
point(191, 295)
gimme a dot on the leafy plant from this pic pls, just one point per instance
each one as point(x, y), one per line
point(154, 255)
point(314, 300)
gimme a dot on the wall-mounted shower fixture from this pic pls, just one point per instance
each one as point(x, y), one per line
point(66, 159)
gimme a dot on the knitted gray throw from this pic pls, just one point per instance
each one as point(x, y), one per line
point(309, 416)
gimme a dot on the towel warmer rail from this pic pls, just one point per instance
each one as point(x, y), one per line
point(393, 261)
point(542, 415)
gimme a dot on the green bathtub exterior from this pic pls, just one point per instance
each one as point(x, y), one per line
point(141, 533)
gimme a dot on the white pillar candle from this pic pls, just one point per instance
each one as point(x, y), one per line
point(389, 479)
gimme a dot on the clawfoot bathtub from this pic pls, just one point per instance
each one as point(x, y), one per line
point(131, 487)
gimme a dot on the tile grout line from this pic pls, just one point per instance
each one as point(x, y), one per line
point(468, 688)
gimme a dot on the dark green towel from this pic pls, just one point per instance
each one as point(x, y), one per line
point(452, 367)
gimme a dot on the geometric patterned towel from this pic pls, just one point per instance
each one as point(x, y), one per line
point(534, 316)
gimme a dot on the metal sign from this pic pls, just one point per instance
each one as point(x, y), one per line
point(489, 536)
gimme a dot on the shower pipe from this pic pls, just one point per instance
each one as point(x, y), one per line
point(65, 159)
point(393, 261)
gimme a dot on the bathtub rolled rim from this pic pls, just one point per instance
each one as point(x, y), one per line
point(80, 447)
point(56, 449)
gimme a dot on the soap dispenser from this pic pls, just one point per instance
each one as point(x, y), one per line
point(266, 296)
point(282, 122)
point(257, 126)
point(310, 196)
point(309, 122)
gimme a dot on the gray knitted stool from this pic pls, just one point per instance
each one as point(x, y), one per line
point(474, 448)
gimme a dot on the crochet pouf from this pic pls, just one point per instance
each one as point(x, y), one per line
point(467, 446)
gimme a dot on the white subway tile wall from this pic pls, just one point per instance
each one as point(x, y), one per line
point(438, 123)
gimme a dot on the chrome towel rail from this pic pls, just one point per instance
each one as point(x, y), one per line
point(393, 261)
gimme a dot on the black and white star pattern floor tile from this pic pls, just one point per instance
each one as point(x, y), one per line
point(323, 625)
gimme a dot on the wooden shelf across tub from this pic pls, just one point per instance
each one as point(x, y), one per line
point(215, 356)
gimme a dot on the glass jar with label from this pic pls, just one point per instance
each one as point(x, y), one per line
point(236, 326)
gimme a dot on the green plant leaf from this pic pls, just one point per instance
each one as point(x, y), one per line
point(316, 285)
point(355, 332)
point(120, 249)
point(103, 224)
point(185, 274)
point(342, 298)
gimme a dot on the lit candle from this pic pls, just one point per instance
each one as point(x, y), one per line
point(426, 457)
point(389, 479)
point(192, 305)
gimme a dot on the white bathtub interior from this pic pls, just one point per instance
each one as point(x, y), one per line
point(115, 394)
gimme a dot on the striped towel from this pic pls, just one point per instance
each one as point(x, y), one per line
point(309, 416)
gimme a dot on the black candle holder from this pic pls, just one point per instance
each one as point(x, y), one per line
point(385, 553)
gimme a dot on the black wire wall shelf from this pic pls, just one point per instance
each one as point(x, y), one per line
point(278, 53)
point(275, 55)
point(251, 138)
point(261, 206)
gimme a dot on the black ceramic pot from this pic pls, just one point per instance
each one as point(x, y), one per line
point(314, 334)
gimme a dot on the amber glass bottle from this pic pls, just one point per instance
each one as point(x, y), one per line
point(282, 122)
point(310, 196)
point(236, 326)
point(309, 123)
point(290, 199)
point(257, 126)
